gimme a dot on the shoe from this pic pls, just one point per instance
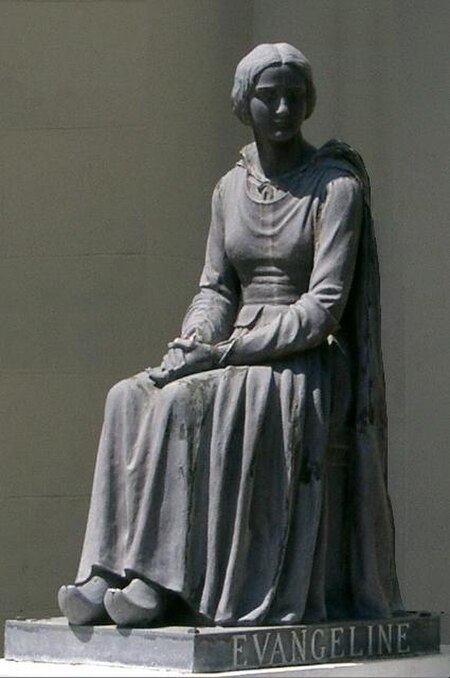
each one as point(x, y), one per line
point(83, 604)
point(138, 604)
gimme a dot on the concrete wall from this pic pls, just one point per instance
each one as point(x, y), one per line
point(383, 77)
point(114, 127)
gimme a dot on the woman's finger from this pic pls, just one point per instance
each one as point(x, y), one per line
point(184, 344)
point(158, 376)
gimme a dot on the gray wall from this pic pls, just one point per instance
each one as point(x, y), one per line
point(114, 127)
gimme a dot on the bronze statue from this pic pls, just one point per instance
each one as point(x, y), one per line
point(246, 475)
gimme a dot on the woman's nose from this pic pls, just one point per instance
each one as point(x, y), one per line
point(282, 107)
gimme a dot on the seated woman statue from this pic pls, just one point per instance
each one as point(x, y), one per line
point(246, 475)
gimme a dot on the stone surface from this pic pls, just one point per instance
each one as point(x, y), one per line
point(194, 649)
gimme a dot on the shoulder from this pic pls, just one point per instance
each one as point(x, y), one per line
point(338, 183)
point(343, 168)
point(229, 181)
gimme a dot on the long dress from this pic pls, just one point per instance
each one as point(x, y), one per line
point(257, 490)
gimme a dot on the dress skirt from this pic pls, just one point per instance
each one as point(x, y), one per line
point(217, 486)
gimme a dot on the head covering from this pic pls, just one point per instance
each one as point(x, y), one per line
point(261, 57)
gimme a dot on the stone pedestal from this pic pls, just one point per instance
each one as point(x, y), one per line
point(214, 649)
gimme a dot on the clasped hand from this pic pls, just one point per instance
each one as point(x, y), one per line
point(185, 356)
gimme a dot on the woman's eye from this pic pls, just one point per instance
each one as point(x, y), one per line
point(269, 95)
point(266, 94)
point(295, 94)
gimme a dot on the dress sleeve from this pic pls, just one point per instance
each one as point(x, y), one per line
point(212, 312)
point(317, 313)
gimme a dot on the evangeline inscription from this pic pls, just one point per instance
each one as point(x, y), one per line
point(309, 645)
point(250, 648)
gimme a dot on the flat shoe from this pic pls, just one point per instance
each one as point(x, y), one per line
point(123, 607)
point(78, 608)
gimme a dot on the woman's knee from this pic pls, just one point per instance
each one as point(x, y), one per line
point(126, 388)
point(177, 393)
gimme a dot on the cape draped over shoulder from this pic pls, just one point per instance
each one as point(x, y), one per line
point(372, 536)
point(220, 486)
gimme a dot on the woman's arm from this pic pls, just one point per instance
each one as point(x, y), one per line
point(317, 313)
point(211, 314)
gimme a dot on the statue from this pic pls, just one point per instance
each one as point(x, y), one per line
point(246, 475)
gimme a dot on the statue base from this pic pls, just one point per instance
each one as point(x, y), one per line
point(213, 649)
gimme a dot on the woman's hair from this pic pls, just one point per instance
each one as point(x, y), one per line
point(255, 62)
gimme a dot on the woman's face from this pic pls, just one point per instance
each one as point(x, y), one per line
point(278, 103)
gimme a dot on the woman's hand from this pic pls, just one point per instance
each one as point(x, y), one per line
point(173, 359)
point(185, 356)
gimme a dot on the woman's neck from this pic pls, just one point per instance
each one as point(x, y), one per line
point(279, 158)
